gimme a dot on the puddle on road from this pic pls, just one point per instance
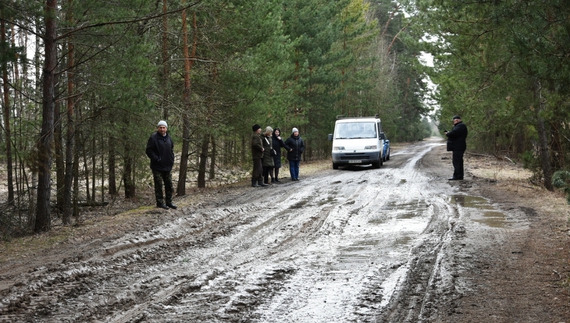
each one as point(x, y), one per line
point(410, 210)
point(413, 205)
point(299, 204)
point(479, 210)
point(404, 211)
point(408, 215)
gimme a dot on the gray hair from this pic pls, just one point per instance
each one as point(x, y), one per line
point(268, 129)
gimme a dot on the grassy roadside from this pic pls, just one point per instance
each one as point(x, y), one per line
point(100, 223)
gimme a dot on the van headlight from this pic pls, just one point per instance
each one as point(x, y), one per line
point(338, 148)
point(371, 147)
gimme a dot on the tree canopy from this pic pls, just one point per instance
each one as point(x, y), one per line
point(84, 84)
point(504, 67)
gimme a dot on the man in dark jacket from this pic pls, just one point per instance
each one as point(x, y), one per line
point(296, 148)
point(456, 144)
point(160, 150)
point(257, 155)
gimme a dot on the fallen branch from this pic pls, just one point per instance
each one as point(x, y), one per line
point(84, 204)
point(507, 158)
point(491, 156)
point(480, 155)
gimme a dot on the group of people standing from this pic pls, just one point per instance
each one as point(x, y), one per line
point(266, 154)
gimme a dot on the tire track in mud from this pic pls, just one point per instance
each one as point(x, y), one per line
point(75, 280)
point(37, 293)
point(240, 287)
point(355, 245)
point(371, 287)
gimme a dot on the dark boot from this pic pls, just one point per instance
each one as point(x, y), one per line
point(254, 183)
point(261, 183)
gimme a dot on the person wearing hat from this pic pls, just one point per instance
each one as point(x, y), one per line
point(160, 150)
point(457, 145)
point(257, 155)
point(296, 148)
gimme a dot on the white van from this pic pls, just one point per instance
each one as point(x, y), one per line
point(357, 141)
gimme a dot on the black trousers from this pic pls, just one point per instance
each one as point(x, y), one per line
point(457, 160)
point(162, 178)
point(257, 173)
point(267, 170)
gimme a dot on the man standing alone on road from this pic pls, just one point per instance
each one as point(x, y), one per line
point(257, 155)
point(160, 150)
point(456, 143)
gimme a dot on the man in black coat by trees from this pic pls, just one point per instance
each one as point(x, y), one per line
point(160, 150)
point(456, 143)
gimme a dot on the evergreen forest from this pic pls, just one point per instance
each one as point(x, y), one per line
point(84, 83)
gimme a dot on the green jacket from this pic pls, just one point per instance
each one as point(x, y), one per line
point(256, 146)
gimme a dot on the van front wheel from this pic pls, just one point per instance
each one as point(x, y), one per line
point(335, 166)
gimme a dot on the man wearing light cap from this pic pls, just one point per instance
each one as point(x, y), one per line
point(457, 145)
point(160, 150)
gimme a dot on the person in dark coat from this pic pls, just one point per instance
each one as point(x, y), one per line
point(277, 145)
point(257, 155)
point(296, 148)
point(456, 144)
point(267, 160)
point(160, 150)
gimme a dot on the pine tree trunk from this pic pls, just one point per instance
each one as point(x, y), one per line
point(181, 188)
point(102, 172)
point(33, 196)
point(543, 139)
point(43, 215)
point(203, 160)
point(183, 172)
point(128, 178)
point(165, 60)
point(112, 168)
point(85, 166)
point(76, 178)
point(93, 198)
point(213, 156)
point(128, 167)
point(58, 155)
point(70, 138)
point(8, 136)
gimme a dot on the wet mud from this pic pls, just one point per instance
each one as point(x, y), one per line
point(350, 245)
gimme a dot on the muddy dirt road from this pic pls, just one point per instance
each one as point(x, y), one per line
point(348, 245)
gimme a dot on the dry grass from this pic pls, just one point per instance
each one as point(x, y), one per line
point(514, 182)
point(496, 169)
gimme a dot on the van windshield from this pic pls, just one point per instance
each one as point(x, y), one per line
point(355, 130)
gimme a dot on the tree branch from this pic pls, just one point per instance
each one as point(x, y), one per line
point(396, 37)
point(122, 22)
